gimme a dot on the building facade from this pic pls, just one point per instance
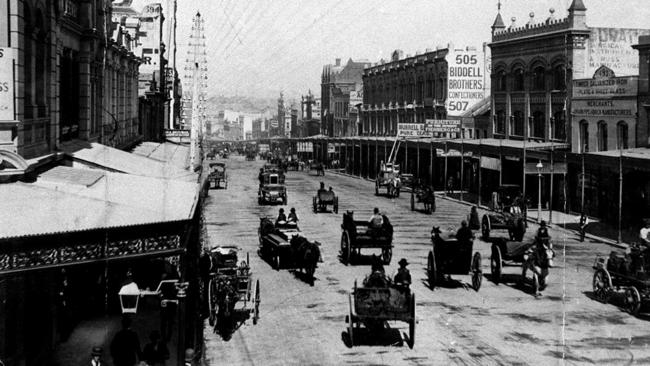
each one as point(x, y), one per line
point(337, 83)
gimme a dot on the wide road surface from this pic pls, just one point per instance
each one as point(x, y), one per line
point(499, 325)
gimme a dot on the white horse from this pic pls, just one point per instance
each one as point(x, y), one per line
point(538, 259)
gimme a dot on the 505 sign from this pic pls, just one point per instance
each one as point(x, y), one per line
point(466, 60)
point(6, 84)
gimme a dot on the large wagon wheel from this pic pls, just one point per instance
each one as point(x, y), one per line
point(212, 303)
point(412, 201)
point(276, 261)
point(386, 255)
point(256, 308)
point(315, 206)
point(412, 323)
point(346, 251)
point(350, 322)
point(336, 205)
point(477, 273)
point(602, 285)
point(496, 264)
point(485, 227)
point(632, 300)
point(432, 271)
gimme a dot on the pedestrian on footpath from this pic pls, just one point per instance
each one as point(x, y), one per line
point(155, 353)
point(189, 357)
point(96, 357)
point(125, 347)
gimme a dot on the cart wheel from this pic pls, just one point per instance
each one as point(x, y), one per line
point(496, 264)
point(477, 273)
point(632, 300)
point(485, 227)
point(387, 255)
point(376, 188)
point(345, 247)
point(350, 322)
point(276, 261)
point(432, 270)
point(314, 205)
point(412, 323)
point(256, 309)
point(602, 285)
point(212, 315)
point(412, 201)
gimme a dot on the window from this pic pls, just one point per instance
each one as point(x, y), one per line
point(28, 67)
point(539, 79)
point(501, 81)
point(539, 121)
point(558, 125)
point(559, 78)
point(517, 127)
point(621, 135)
point(519, 80)
point(602, 136)
point(584, 136)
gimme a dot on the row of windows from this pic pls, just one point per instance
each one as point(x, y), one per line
point(536, 124)
point(393, 92)
point(602, 136)
point(516, 81)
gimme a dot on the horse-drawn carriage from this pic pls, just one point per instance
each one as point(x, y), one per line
point(317, 167)
point(619, 271)
point(230, 289)
point(358, 234)
point(284, 247)
point(250, 155)
point(506, 213)
point(373, 306)
point(218, 175)
point(536, 256)
point(272, 189)
point(422, 193)
point(324, 198)
point(451, 257)
point(211, 154)
point(389, 177)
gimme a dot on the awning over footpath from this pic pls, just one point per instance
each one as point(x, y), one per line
point(631, 159)
point(66, 199)
point(166, 152)
point(111, 159)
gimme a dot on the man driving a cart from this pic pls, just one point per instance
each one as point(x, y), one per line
point(403, 276)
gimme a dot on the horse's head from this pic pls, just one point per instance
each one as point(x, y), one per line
point(435, 230)
point(545, 253)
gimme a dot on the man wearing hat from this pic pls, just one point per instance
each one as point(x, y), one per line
point(542, 232)
point(282, 218)
point(403, 276)
point(96, 356)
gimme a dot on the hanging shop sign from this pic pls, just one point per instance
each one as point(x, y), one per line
point(330, 148)
point(6, 84)
point(443, 125)
point(177, 133)
point(465, 80)
point(413, 130)
point(263, 148)
point(490, 163)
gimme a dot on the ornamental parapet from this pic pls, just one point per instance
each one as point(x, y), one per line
point(532, 30)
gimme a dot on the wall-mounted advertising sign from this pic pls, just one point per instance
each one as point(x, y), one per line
point(412, 130)
point(465, 80)
point(6, 84)
point(444, 125)
point(606, 88)
point(177, 133)
point(612, 47)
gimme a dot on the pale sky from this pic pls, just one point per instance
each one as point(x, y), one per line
point(262, 47)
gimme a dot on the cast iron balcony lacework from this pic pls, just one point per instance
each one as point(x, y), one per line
point(76, 254)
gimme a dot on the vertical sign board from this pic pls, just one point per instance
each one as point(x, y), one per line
point(6, 84)
point(465, 80)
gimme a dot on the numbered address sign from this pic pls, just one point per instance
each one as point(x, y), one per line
point(465, 81)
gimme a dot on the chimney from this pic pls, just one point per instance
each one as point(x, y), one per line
point(338, 62)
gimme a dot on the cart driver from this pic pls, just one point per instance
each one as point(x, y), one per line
point(322, 188)
point(260, 176)
point(542, 233)
point(376, 220)
point(403, 276)
point(377, 276)
point(644, 234)
point(282, 219)
point(292, 216)
point(464, 235)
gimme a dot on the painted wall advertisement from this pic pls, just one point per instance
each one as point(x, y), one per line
point(612, 47)
point(604, 108)
point(444, 125)
point(606, 88)
point(466, 80)
point(412, 130)
point(6, 84)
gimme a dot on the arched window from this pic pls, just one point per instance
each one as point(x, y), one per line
point(559, 125)
point(539, 120)
point(621, 135)
point(602, 136)
point(500, 124)
point(518, 80)
point(501, 81)
point(517, 127)
point(539, 79)
point(584, 136)
point(559, 78)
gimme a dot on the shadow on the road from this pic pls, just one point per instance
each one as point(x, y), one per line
point(422, 211)
point(360, 259)
point(617, 299)
point(445, 283)
point(302, 276)
point(364, 337)
point(227, 326)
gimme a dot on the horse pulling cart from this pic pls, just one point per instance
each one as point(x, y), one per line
point(230, 289)
point(284, 247)
point(357, 235)
point(449, 256)
point(630, 273)
point(423, 194)
point(535, 257)
point(373, 306)
point(218, 175)
point(316, 166)
point(324, 198)
point(388, 177)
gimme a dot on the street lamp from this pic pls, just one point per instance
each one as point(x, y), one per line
point(539, 167)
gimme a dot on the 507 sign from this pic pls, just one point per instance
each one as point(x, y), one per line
point(465, 81)
point(457, 106)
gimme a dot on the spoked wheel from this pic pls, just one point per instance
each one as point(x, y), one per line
point(432, 274)
point(386, 255)
point(496, 264)
point(485, 228)
point(632, 300)
point(346, 251)
point(602, 285)
point(412, 201)
point(412, 323)
point(256, 309)
point(477, 273)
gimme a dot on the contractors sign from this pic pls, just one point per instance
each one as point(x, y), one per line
point(6, 84)
point(444, 125)
point(465, 80)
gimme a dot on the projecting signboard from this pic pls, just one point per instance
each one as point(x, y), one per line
point(177, 133)
point(263, 148)
point(413, 130)
point(465, 80)
point(330, 148)
point(6, 84)
point(305, 147)
point(444, 125)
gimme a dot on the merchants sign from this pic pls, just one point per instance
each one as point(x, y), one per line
point(465, 80)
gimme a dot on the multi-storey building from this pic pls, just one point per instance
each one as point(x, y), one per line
point(337, 82)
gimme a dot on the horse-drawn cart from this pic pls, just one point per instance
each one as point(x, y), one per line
point(506, 213)
point(284, 247)
point(324, 198)
point(218, 175)
point(537, 258)
point(373, 306)
point(317, 167)
point(388, 177)
point(357, 235)
point(423, 194)
point(630, 273)
point(230, 289)
point(449, 256)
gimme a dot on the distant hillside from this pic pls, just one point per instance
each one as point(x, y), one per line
point(241, 103)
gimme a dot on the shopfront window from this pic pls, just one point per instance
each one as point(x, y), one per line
point(602, 136)
point(621, 135)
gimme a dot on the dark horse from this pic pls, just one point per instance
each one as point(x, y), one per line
point(305, 255)
point(538, 259)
